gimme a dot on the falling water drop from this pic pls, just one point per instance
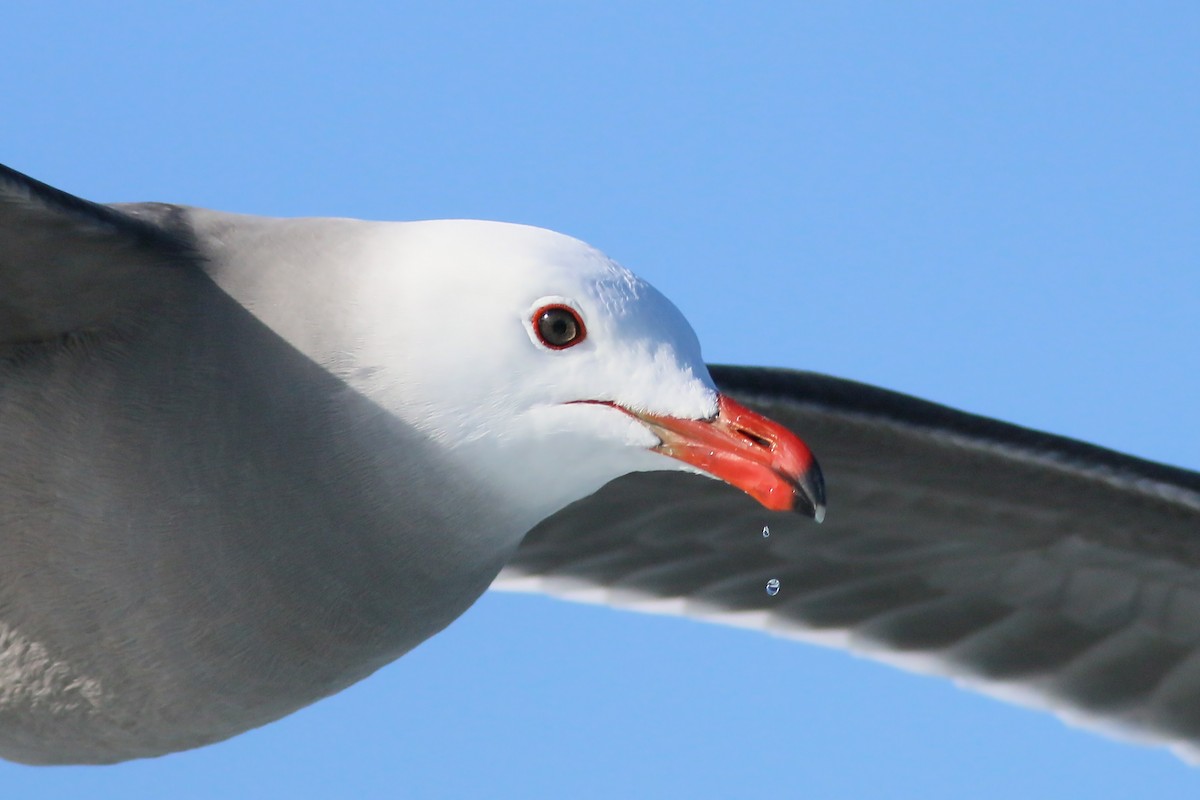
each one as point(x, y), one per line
point(766, 531)
point(773, 587)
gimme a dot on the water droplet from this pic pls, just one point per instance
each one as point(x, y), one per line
point(773, 587)
point(766, 531)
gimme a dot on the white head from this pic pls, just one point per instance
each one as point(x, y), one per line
point(547, 368)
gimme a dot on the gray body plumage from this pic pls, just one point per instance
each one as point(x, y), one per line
point(197, 521)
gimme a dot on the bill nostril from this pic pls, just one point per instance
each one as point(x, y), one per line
point(758, 440)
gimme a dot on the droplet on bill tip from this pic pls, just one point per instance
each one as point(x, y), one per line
point(773, 587)
point(766, 531)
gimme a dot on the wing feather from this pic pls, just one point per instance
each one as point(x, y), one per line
point(1032, 567)
point(68, 265)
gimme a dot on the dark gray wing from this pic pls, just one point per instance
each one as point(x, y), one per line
point(68, 265)
point(1029, 566)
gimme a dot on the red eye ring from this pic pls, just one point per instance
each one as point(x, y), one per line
point(558, 326)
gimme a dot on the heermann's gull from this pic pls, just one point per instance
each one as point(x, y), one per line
point(249, 461)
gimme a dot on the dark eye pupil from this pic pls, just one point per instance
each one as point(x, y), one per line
point(558, 327)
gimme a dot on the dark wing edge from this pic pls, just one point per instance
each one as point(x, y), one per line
point(1030, 567)
point(69, 265)
point(885, 406)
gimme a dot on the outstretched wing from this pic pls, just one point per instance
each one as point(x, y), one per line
point(69, 265)
point(1029, 566)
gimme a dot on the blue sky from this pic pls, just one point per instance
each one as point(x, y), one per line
point(990, 206)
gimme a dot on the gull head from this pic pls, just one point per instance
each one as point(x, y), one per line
point(547, 369)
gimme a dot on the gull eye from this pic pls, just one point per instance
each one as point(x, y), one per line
point(558, 327)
